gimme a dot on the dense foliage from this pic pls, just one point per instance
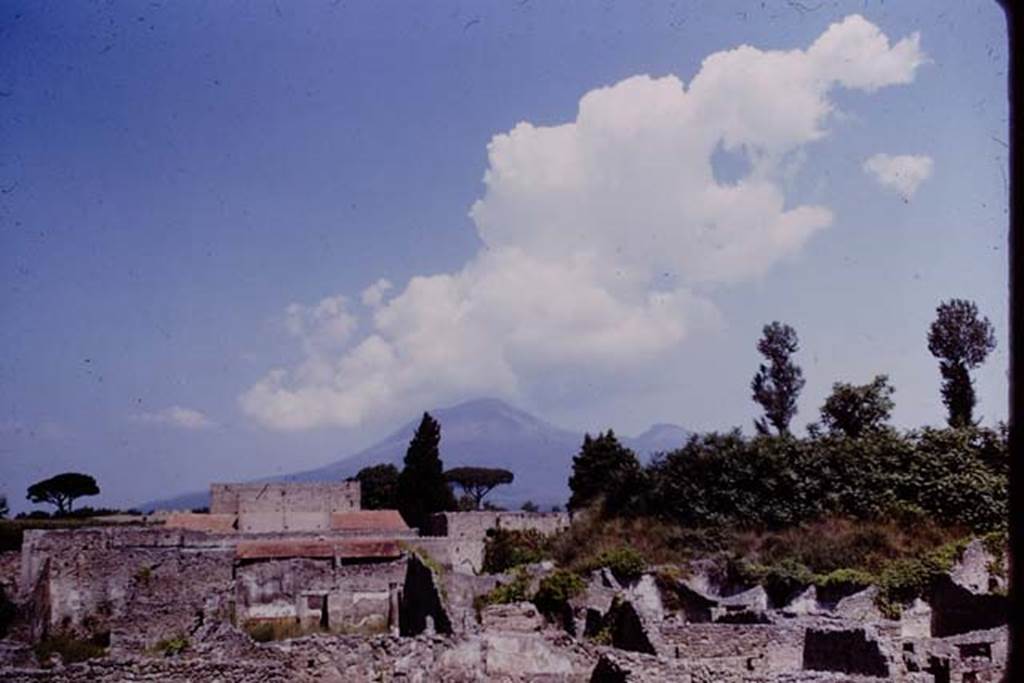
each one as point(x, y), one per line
point(508, 548)
point(556, 590)
point(956, 476)
point(961, 341)
point(607, 473)
point(853, 410)
point(378, 486)
point(422, 488)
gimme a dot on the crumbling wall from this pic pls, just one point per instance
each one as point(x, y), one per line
point(476, 524)
point(852, 651)
point(956, 609)
point(754, 647)
point(629, 630)
point(168, 593)
point(422, 601)
point(320, 594)
point(463, 555)
point(142, 585)
point(137, 585)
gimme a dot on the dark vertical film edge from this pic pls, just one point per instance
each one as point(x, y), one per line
point(1015, 669)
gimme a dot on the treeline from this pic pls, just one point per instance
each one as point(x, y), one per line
point(954, 476)
point(852, 463)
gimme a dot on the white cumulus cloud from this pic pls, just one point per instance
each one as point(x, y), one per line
point(177, 416)
point(903, 173)
point(599, 236)
point(373, 296)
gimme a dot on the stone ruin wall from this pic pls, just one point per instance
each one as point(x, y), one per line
point(456, 539)
point(138, 585)
point(476, 524)
point(321, 594)
point(142, 585)
point(273, 507)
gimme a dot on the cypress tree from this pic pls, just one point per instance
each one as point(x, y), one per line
point(422, 488)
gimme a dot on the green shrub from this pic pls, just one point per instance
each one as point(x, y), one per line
point(556, 589)
point(845, 579)
point(997, 543)
point(505, 549)
point(624, 562)
point(912, 577)
point(72, 648)
point(516, 590)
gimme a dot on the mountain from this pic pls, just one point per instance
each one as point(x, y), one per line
point(485, 432)
point(659, 438)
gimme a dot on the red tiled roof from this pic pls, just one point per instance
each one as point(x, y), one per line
point(247, 550)
point(368, 520)
point(346, 548)
point(360, 547)
point(193, 521)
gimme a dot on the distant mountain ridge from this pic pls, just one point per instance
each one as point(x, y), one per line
point(484, 432)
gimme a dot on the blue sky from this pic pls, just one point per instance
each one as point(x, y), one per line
point(196, 198)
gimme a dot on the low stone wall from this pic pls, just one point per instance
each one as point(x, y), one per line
point(476, 524)
point(753, 647)
point(504, 657)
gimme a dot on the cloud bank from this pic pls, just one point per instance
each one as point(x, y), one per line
point(599, 235)
point(177, 416)
point(903, 173)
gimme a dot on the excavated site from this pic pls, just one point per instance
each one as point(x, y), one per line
point(294, 582)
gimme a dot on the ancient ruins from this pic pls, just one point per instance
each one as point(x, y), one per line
point(294, 582)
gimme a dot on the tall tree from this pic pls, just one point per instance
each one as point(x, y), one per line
point(4, 509)
point(477, 482)
point(777, 385)
point(62, 490)
point(855, 410)
point(605, 472)
point(961, 341)
point(422, 488)
point(378, 485)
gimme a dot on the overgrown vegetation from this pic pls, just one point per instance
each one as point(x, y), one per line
point(624, 562)
point(556, 589)
point(952, 476)
point(516, 590)
point(551, 597)
point(505, 549)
